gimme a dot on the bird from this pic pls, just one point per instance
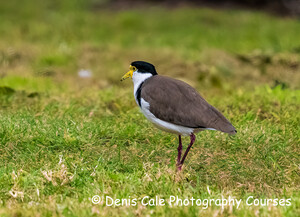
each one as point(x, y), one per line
point(174, 106)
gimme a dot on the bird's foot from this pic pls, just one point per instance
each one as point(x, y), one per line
point(179, 167)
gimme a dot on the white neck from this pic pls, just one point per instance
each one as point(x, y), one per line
point(138, 78)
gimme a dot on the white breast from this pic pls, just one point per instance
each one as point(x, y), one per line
point(137, 79)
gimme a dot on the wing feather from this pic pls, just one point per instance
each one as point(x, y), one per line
point(177, 102)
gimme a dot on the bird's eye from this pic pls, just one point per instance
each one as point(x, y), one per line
point(132, 68)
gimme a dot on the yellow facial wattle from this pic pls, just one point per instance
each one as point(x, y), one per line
point(129, 74)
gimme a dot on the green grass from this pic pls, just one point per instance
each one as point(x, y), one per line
point(64, 139)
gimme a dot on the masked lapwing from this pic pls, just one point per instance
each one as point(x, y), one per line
point(174, 106)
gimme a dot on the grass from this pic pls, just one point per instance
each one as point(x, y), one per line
point(64, 138)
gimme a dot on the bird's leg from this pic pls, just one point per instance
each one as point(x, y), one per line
point(193, 138)
point(179, 149)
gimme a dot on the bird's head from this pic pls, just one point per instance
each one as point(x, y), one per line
point(139, 68)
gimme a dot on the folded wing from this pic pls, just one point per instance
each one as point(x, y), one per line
point(177, 102)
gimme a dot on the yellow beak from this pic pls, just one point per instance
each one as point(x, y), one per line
point(128, 74)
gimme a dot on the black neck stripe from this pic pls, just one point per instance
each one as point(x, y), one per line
point(138, 94)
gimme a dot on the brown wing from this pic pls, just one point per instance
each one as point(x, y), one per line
point(177, 102)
